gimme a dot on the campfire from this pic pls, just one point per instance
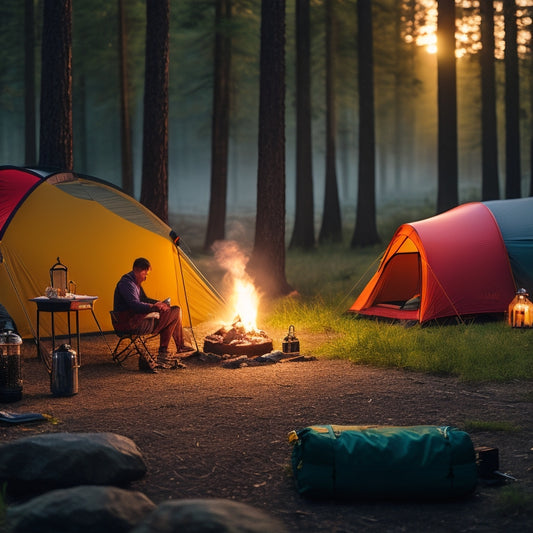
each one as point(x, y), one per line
point(240, 335)
point(237, 340)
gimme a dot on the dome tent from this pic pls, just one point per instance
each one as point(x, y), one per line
point(466, 261)
point(97, 231)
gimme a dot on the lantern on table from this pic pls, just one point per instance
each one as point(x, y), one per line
point(58, 280)
point(521, 310)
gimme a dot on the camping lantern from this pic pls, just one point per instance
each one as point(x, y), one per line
point(521, 310)
point(58, 278)
point(290, 344)
point(10, 367)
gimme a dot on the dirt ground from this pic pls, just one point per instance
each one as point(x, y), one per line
point(208, 431)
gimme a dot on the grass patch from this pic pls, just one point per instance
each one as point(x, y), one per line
point(472, 352)
point(486, 425)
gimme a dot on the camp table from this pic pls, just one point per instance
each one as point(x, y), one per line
point(64, 305)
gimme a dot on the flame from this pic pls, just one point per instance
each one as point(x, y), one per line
point(244, 298)
point(245, 302)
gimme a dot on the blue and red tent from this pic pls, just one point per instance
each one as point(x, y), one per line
point(467, 261)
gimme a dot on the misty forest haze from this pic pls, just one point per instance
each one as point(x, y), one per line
point(406, 153)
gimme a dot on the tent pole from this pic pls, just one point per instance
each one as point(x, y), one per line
point(176, 240)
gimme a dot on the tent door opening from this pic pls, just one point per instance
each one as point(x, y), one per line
point(400, 281)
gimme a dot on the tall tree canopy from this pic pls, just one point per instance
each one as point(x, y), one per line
point(407, 155)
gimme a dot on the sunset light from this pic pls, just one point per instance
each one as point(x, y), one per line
point(420, 27)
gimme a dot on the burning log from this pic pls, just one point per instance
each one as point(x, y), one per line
point(236, 340)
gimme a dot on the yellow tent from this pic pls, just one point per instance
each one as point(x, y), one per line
point(97, 231)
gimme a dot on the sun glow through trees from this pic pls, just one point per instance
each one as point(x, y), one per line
point(420, 19)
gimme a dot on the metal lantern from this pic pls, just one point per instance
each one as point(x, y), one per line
point(58, 280)
point(521, 310)
point(58, 277)
point(10, 367)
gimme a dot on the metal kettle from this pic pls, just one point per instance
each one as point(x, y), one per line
point(290, 343)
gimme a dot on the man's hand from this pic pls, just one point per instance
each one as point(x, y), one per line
point(160, 306)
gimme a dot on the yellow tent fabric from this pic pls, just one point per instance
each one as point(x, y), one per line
point(97, 231)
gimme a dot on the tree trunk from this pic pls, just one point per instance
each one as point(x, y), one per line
point(154, 190)
point(399, 105)
point(55, 148)
point(267, 262)
point(125, 128)
point(365, 232)
point(220, 126)
point(512, 104)
point(490, 188)
point(531, 124)
point(304, 231)
point(404, 114)
point(331, 229)
point(30, 151)
point(447, 195)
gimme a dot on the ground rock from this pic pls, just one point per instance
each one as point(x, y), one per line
point(272, 357)
point(59, 460)
point(84, 509)
point(213, 515)
point(302, 359)
point(236, 362)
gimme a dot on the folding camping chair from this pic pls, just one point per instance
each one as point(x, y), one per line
point(131, 343)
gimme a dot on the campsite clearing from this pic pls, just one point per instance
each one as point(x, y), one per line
point(208, 431)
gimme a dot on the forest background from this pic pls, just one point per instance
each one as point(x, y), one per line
point(406, 106)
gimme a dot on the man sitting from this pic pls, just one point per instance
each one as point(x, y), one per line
point(133, 309)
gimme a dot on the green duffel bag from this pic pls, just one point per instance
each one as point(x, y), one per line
point(383, 461)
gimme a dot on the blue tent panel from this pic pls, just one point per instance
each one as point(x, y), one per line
point(515, 219)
